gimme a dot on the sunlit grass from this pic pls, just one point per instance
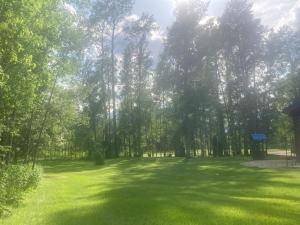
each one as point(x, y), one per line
point(161, 192)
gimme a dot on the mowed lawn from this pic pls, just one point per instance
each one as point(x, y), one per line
point(161, 192)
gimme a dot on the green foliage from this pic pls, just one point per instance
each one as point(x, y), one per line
point(15, 180)
point(38, 44)
point(64, 91)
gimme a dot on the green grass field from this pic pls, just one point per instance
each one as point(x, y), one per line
point(161, 192)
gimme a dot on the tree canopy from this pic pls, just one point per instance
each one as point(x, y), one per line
point(66, 90)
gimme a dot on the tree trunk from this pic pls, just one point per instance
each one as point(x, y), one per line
point(115, 146)
point(297, 136)
point(36, 149)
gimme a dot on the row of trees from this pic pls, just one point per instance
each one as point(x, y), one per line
point(34, 54)
point(226, 77)
point(77, 79)
point(217, 82)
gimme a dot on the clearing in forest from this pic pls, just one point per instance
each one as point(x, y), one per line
point(161, 192)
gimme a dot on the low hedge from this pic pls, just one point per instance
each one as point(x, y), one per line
point(15, 180)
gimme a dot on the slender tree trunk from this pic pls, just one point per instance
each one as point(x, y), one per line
point(296, 121)
point(139, 127)
point(104, 91)
point(36, 149)
point(11, 138)
point(246, 146)
point(115, 151)
point(28, 142)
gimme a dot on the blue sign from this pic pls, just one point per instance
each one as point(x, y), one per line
point(259, 137)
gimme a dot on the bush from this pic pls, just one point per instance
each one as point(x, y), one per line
point(15, 180)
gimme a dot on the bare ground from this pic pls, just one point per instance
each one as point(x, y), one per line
point(278, 163)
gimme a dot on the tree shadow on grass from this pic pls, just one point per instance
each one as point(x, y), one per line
point(65, 166)
point(187, 192)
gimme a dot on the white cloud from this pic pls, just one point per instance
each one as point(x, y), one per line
point(290, 17)
point(132, 18)
point(70, 8)
point(157, 35)
point(276, 13)
point(207, 19)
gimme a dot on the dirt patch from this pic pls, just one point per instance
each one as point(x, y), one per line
point(272, 164)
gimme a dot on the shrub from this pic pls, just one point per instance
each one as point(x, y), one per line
point(3, 208)
point(15, 180)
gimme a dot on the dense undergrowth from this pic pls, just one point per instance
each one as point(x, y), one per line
point(15, 181)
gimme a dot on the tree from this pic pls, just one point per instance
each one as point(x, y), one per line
point(180, 48)
point(109, 14)
point(136, 72)
point(242, 40)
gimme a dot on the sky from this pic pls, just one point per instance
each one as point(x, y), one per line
point(273, 13)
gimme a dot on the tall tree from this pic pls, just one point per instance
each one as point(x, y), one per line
point(242, 40)
point(138, 34)
point(181, 48)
